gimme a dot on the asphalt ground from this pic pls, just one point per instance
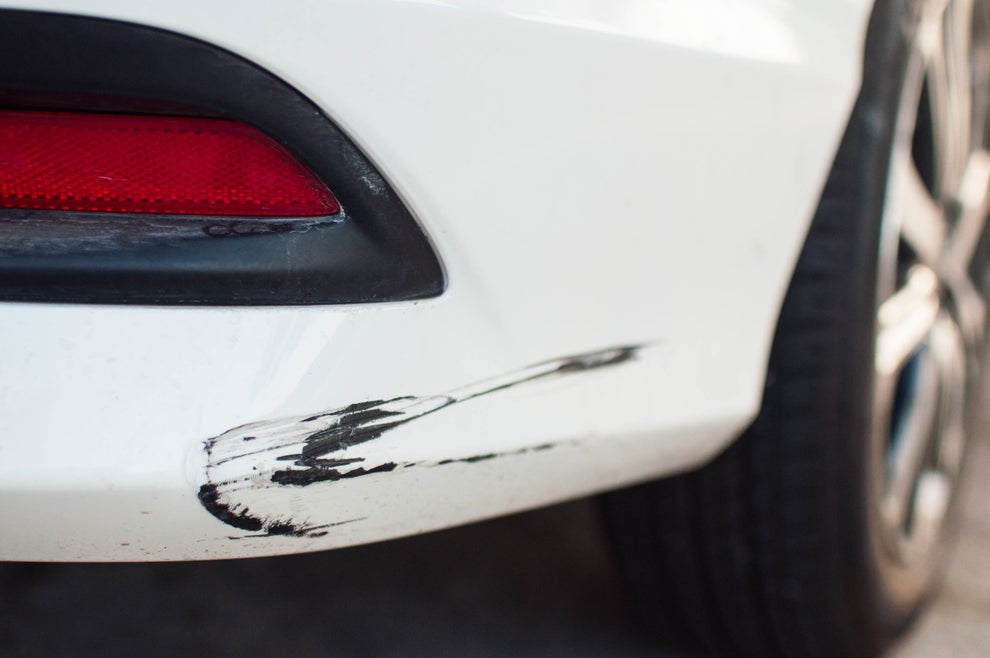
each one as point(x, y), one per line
point(540, 583)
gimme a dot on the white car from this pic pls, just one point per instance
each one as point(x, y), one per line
point(285, 277)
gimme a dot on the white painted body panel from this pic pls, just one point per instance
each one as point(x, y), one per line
point(592, 174)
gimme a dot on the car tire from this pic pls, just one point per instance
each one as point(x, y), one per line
point(820, 530)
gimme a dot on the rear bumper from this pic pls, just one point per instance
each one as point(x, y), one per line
point(569, 219)
point(110, 460)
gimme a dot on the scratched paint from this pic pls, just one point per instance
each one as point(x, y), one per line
point(322, 448)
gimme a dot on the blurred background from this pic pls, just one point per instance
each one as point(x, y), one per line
point(540, 583)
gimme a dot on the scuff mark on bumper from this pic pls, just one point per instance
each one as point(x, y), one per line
point(307, 450)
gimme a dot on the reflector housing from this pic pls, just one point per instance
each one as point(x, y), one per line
point(116, 163)
point(71, 245)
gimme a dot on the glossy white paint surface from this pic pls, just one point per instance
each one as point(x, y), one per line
point(593, 173)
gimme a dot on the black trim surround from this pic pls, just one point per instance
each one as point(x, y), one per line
point(373, 251)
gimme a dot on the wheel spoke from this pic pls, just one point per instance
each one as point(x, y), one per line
point(912, 441)
point(931, 504)
point(926, 434)
point(947, 50)
point(923, 224)
point(958, 53)
point(949, 351)
point(904, 320)
point(974, 204)
point(970, 305)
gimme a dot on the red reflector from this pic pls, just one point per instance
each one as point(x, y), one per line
point(145, 164)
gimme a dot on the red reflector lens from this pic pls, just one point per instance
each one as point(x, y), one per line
point(146, 164)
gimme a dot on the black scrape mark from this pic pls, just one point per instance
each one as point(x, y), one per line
point(281, 528)
point(311, 475)
point(478, 458)
point(316, 456)
point(481, 458)
point(241, 517)
point(343, 436)
point(469, 460)
point(209, 496)
point(322, 463)
point(353, 408)
point(366, 421)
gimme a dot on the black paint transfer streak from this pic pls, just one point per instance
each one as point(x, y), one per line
point(209, 497)
point(363, 422)
point(311, 475)
point(241, 517)
point(312, 448)
point(281, 528)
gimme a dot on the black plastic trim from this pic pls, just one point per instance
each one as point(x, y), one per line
point(373, 251)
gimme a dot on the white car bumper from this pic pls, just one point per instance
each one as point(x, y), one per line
point(592, 175)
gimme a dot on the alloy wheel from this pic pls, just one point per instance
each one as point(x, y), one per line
point(932, 310)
